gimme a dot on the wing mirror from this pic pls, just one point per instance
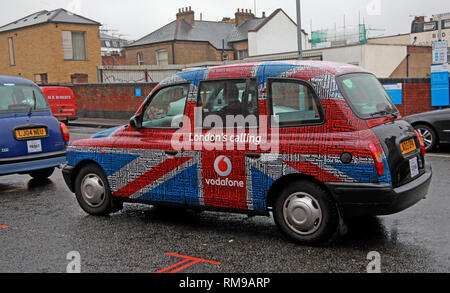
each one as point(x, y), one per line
point(136, 121)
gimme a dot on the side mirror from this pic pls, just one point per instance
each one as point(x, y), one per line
point(136, 121)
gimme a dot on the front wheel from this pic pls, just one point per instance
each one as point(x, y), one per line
point(93, 193)
point(305, 213)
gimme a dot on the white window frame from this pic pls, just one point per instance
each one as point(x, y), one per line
point(12, 57)
point(68, 47)
point(140, 58)
point(159, 59)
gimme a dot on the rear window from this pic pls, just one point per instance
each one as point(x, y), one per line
point(21, 99)
point(366, 96)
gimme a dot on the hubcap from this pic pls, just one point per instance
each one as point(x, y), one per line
point(93, 190)
point(302, 213)
point(427, 137)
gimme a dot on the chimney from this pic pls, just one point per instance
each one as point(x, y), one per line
point(242, 15)
point(186, 14)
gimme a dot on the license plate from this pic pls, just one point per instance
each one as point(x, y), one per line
point(34, 146)
point(408, 146)
point(31, 133)
point(414, 167)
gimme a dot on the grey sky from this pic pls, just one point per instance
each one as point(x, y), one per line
point(136, 18)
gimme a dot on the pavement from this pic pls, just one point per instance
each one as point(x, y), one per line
point(97, 122)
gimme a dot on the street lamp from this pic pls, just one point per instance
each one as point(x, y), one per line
point(299, 31)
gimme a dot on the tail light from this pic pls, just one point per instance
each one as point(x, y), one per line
point(422, 143)
point(65, 132)
point(377, 158)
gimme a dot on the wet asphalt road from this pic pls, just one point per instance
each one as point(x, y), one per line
point(41, 222)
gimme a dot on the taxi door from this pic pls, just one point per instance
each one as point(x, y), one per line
point(228, 135)
point(157, 172)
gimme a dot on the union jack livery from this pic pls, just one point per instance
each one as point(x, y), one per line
point(309, 141)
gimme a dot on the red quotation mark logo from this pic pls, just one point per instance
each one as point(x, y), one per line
point(223, 166)
point(185, 263)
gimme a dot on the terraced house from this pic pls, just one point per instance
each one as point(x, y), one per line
point(51, 47)
point(187, 40)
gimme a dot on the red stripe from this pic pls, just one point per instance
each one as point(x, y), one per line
point(151, 176)
point(314, 171)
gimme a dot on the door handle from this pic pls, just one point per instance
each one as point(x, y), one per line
point(171, 153)
point(254, 156)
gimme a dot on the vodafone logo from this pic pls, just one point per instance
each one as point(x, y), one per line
point(223, 166)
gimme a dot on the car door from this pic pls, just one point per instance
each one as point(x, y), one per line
point(227, 133)
point(156, 172)
point(442, 124)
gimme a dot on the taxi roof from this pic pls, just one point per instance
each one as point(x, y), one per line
point(4, 79)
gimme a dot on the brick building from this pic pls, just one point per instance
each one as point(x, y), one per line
point(187, 40)
point(51, 47)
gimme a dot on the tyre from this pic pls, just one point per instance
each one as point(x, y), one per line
point(93, 193)
point(306, 213)
point(428, 135)
point(42, 174)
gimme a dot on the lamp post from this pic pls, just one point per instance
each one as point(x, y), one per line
point(299, 31)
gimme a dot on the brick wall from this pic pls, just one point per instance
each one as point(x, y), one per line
point(118, 101)
point(416, 95)
point(111, 101)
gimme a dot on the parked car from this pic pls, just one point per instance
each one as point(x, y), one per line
point(62, 102)
point(434, 127)
point(32, 141)
point(335, 147)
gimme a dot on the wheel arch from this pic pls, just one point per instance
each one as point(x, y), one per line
point(77, 168)
point(281, 182)
point(428, 124)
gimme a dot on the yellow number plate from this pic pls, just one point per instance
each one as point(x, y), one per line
point(408, 146)
point(30, 133)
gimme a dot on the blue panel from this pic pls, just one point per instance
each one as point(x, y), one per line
point(181, 189)
point(138, 92)
point(261, 184)
point(110, 163)
point(363, 173)
point(440, 89)
point(193, 76)
point(272, 69)
point(394, 93)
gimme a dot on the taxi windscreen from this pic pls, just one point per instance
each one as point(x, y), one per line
point(366, 96)
point(21, 99)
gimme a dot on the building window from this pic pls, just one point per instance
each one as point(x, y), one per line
point(162, 57)
point(242, 54)
point(140, 58)
point(429, 26)
point(12, 59)
point(446, 24)
point(74, 45)
point(41, 78)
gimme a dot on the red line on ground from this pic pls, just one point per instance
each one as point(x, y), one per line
point(3, 226)
point(189, 260)
point(172, 266)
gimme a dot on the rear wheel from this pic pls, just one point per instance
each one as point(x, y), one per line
point(42, 174)
point(305, 213)
point(428, 135)
point(93, 193)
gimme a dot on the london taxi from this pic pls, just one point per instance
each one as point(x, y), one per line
point(310, 142)
point(62, 102)
point(32, 141)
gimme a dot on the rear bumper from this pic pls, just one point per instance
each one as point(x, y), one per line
point(379, 199)
point(32, 162)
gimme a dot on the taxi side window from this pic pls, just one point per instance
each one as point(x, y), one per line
point(220, 99)
point(167, 105)
point(294, 103)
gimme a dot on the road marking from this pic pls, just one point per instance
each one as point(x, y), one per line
point(438, 155)
point(183, 264)
point(3, 226)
